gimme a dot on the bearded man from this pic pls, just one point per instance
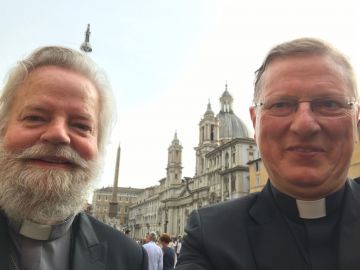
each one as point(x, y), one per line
point(55, 113)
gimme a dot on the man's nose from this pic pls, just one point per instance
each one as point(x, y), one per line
point(304, 122)
point(56, 132)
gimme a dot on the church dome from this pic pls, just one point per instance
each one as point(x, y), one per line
point(230, 126)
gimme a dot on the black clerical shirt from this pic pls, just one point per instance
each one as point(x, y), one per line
point(316, 238)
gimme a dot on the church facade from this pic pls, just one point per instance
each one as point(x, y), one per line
point(221, 173)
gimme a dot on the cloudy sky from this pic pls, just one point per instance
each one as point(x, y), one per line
point(166, 58)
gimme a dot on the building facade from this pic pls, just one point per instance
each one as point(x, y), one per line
point(221, 173)
point(258, 175)
point(101, 203)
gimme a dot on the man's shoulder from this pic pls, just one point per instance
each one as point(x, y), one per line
point(153, 247)
point(151, 244)
point(357, 180)
point(100, 226)
point(238, 204)
point(235, 211)
point(354, 185)
point(120, 251)
point(107, 233)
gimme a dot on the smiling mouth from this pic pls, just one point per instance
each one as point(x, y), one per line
point(54, 160)
point(300, 149)
point(51, 161)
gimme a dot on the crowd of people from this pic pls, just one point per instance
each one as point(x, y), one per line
point(162, 250)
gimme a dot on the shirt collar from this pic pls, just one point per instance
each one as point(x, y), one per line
point(38, 231)
point(311, 209)
point(296, 208)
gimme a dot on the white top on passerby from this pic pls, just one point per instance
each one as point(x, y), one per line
point(155, 256)
point(178, 247)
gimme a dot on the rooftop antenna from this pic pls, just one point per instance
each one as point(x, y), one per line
point(85, 46)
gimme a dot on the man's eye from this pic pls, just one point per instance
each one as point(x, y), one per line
point(328, 104)
point(83, 127)
point(280, 105)
point(34, 118)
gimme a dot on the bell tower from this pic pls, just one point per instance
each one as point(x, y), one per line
point(174, 168)
point(208, 138)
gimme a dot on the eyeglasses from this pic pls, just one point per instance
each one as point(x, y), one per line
point(325, 106)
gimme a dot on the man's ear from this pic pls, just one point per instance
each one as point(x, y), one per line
point(357, 125)
point(252, 111)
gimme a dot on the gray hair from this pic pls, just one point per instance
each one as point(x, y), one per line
point(305, 47)
point(68, 59)
point(153, 236)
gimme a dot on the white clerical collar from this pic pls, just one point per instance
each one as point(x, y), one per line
point(311, 209)
point(34, 230)
point(38, 231)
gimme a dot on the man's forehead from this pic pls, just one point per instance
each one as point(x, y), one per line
point(316, 70)
point(47, 88)
point(53, 77)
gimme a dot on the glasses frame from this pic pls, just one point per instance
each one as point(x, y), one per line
point(348, 104)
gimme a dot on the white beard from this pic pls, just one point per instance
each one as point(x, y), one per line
point(43, 195)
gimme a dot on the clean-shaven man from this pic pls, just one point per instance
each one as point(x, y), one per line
point(305, 115)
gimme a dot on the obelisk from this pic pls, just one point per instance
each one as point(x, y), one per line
point(114, 205)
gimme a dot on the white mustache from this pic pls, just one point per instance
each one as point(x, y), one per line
point(44, 151)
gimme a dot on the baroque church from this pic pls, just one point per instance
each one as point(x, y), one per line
point(222, 173)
